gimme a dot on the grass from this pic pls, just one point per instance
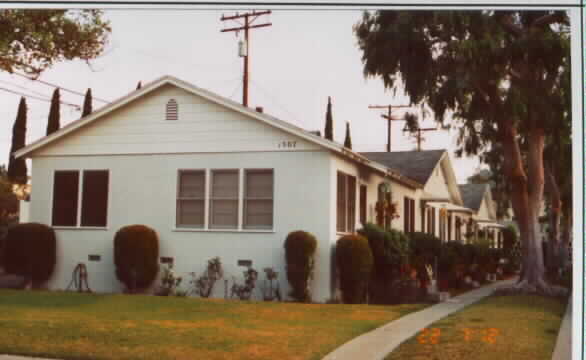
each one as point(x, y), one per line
point(89, 326)
point(497, 327)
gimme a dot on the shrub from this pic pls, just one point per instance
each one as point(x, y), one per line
point(30, 251)
point(355, 262)
point(204, 285)
point(390, 251)
point(299, 256)
point(136, 253)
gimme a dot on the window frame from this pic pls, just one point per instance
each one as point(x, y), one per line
point(79, 205)
point(245, 198)
point(238, 199)
point(178, 199)
point(349, 226)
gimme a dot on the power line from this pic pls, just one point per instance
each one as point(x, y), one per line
point(38, 98)
point(60, 87)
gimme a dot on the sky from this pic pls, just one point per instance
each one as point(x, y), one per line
point(295, 64)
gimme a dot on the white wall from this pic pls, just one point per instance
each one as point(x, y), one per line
point(23, 211)
point(143, 190)
point(202, 126)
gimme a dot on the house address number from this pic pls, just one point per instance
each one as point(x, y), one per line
point(287, 144)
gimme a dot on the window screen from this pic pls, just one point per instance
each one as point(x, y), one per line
point(94, 210)
point(258, 199)
point(65, 198)
point(224, 199)
point(191, 199)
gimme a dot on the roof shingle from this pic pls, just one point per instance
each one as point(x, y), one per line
point(472, 195)
point(418, 165)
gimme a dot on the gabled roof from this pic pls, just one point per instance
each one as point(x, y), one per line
point(418, 165)
point(227, 103)
point(472, 195)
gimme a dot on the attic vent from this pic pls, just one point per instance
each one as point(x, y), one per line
point(172, 110)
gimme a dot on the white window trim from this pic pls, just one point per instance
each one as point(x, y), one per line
point(208, 205)
point(179, 171)
point(78, 226)
point(346, 197)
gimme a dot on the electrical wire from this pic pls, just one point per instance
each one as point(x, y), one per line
point(60, 87)
point(38, 98)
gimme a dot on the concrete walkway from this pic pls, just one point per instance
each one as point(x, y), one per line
point(377, 344)
point(563, 345)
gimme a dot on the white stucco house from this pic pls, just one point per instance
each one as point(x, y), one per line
point(215, 178)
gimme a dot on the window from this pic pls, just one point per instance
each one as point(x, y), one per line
point(224, 199)
point(65, 193)
point(92, 210)
point(363, 204)
point(258, 199)
point(94, 204)
point(191, 199)
point(408, 215)
point(458, 229)
point(172, 110)
point(346, 203)
point(449, 227)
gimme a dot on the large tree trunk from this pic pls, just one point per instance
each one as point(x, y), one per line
point(553, 242)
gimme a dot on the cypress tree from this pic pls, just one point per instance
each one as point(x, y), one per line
point(348, 140)
point(139, 85)
point(87, 103)
point(329, 133)
point(17, 167)
point(54, 114)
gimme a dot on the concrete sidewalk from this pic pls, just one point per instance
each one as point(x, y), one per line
point(377, 344)
point(563, 345)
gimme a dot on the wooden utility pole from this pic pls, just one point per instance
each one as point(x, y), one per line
point(249, 18)
point(419, 137)
point(389, 118)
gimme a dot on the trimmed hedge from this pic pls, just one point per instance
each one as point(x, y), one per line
point(299, 256)
point(136, 254)
point(355, 262)
point(30, 250)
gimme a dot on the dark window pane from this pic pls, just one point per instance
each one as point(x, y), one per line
point(65, 197)
point(94, 210)
point(363, 204)
point(341, 203)
point(351, 203)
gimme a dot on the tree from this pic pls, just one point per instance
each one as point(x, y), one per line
point(348, 139)
point(8, 202)
point(329, 130)
point(33, 40)
point(87, 103)
point(139, 85)
point(499, 75)
point(17, 167)
point(54, 113)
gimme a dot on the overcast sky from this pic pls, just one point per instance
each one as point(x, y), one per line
point(295, 64)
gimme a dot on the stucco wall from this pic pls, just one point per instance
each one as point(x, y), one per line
point(142, 190)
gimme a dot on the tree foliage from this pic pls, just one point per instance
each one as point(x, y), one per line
point(17, 167)
point(87, 103)
point(329, 130)
point(33, 40)
point(348, 139)
point(500, 75)
point(54, 113)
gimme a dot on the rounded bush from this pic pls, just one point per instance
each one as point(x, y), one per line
point(355, 262)
point(136, 253)
point(30, 250)
point(299, 256)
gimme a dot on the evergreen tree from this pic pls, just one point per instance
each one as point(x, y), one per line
point(348, 140)
point(17, 167)
point(54, 114)
point(329, 131)
point(139, 85)
point(87, 103)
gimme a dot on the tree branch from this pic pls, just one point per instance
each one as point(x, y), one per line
point(545, 20)
point(510, 27)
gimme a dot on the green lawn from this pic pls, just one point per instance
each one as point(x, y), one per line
point(497, 327)
point(82, 326)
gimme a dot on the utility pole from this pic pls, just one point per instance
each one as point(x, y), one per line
point(419, 137)
point(389, 118)
point(249, 18)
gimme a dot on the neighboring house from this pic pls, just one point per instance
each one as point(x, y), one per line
point(212, 177)
point(437, 207)
point(478, 197)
